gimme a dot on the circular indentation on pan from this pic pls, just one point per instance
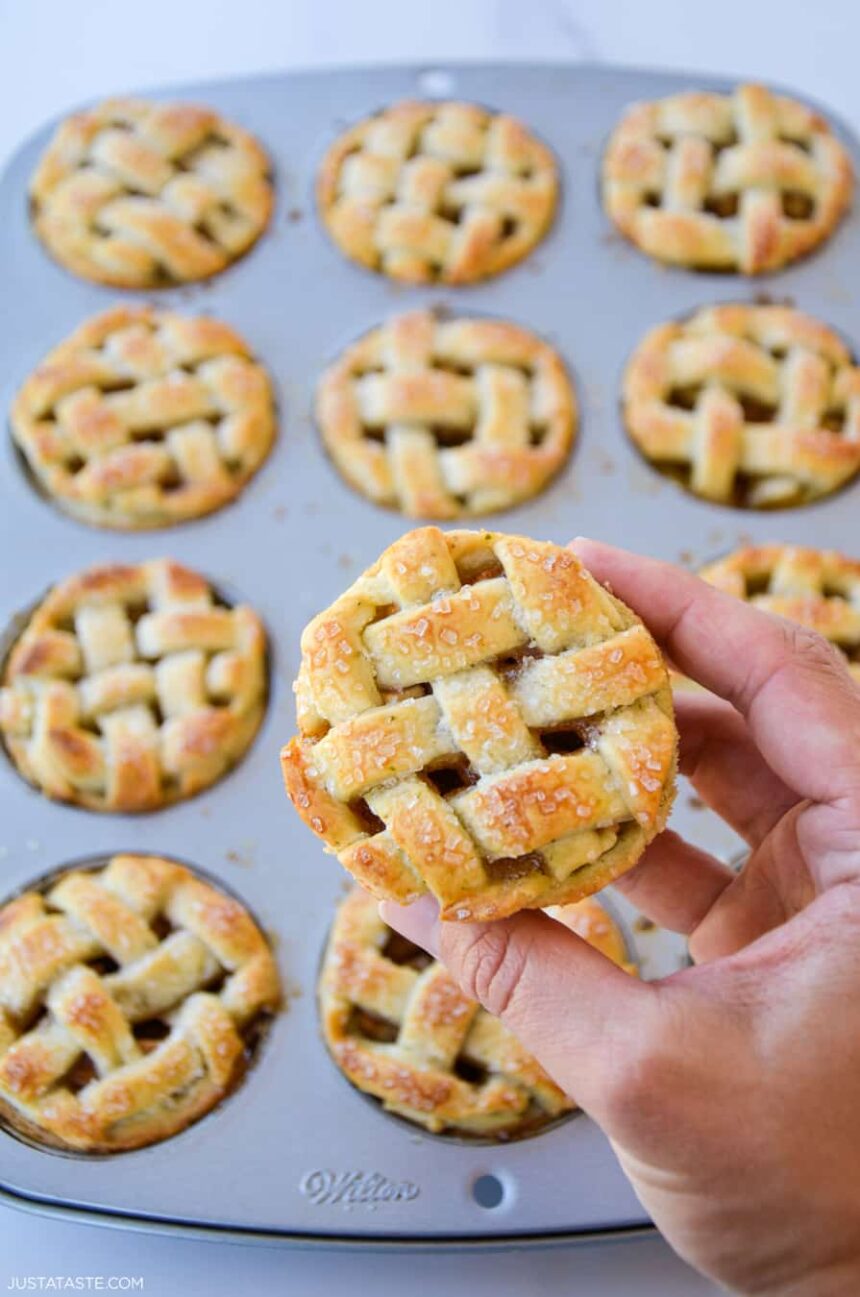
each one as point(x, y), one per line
point(147, 1030)
point(488, 1191)
point(224, 595)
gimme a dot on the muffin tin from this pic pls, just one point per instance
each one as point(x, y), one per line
point(296, 1153)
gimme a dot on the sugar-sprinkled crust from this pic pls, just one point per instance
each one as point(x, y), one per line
point(747, 181)
point(755, 406)
point(141, 194)
point(445, 192)
point(480, 719)
point(143, 418)
point(129, 998)
point(130, 687)
point(447, 418)
point(818, 588)
point(400, 1029)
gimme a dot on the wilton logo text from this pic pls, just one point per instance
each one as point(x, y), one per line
point(355, 1188)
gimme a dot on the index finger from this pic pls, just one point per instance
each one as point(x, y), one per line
point(802, 706)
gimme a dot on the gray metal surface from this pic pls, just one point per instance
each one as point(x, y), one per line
point(264, 1162)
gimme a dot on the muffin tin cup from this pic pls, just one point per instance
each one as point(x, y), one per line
point(296, 1154)
point(254, 1032)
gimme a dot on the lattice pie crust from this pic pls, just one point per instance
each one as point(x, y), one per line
point(747, 181)
point(130, 997)
point(754, 406)
point(818, 588)
point(144, 418)
point(480, 719)
point(131, 687)
point(437, 191)
point(142, 194)
point(447, 418)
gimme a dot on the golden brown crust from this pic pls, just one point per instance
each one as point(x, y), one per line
point(140, 194)
point(144, 418)
point(756, 406)
point(589, 920)
point(747, 181)
point(130, 688)
point(444, 192)
point(108, 1061)
point(475, 415)
point(366, 996)
point(482, 720)
point(817, 588)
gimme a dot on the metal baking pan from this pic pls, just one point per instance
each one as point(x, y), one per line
point(297, 1154)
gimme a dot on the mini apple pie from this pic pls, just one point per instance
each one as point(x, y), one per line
point(747, 181)
point(400, 1029)
point(144, 418)
point(131, 998)
point(142, 194)
point(752, 406)
point(444, 192)
point(482, 720)
point(131, 687)
point(817, 588)
point(447, 418)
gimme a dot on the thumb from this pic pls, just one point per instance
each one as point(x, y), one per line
point(565, 1002)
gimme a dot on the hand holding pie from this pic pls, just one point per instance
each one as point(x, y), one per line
point(481, 720)
point(704, 1080)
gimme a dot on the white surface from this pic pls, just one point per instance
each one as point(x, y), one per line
point(55, 54)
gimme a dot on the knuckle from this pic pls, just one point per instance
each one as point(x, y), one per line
point(492, 965)
point(813, 650)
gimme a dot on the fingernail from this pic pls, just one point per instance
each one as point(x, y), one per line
point(418, 921)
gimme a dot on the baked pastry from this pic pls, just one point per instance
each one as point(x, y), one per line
point(144, 418)
point(754, 406)
point(400, 1029)
point(143, 194)
point(437, 191)
point(131, 687)
point(447, 418)
point(481, 720)
point(817, 588)
point(131, 997)
point(747, 181)
point(589, 920)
